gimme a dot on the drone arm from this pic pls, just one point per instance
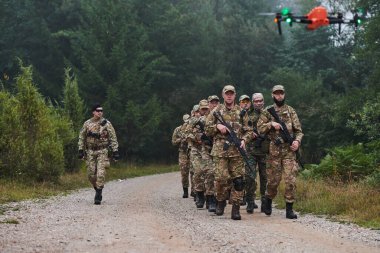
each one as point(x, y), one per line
point(301, 19)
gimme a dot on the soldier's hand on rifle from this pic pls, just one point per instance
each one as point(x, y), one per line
point(295, 145)
point(80, 154)
point(276, 125)
point(223, 129)
point(255, 135)
point(242, 144)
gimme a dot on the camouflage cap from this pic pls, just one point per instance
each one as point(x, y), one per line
point(186, 117)
point(242, 97)
point(257, 96)
point(278, 87)
point(213, 97)
point(195, 108)
point(203, 104)
point(229, 88)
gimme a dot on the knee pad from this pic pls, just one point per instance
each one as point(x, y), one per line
point(239, 183)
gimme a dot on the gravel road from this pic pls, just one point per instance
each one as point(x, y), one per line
point(147, 214)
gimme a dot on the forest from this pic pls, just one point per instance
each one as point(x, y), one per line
point(149, 61)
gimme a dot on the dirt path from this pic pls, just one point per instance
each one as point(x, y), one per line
point(147, 214)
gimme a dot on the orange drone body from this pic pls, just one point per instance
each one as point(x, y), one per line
point(318, 18)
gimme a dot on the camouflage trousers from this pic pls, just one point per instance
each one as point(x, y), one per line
point(281, 160)
point(203, 172)
point(226, 170)
point(258, 164)
point(97, 162)
point(192, 176)
point(184, 165)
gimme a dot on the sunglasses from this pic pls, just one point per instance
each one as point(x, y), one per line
point(99, 110)
point(244, 101)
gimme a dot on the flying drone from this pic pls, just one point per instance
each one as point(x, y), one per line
point(316, 18)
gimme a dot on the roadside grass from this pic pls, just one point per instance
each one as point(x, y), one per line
point(13, 191)
point(346, 203)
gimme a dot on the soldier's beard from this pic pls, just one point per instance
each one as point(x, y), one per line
point(279, 103)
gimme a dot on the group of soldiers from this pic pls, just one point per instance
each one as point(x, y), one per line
point(222, 146)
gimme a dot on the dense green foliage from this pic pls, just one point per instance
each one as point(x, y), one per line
point(33, 133)
point(149, 61)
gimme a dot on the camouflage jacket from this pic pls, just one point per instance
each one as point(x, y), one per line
point(194, 133)
point(179, 137)
point(97, 134)
point(288, 115)
point(240, 126)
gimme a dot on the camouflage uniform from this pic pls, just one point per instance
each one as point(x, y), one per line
point(194, 155)
point(179, 139)
point(229, 165)
point(281, 158)
point(95, 137)
point(256, 151)
point(197, 161)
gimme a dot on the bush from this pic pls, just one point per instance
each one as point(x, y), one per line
point(32, 134)
point(347, 163)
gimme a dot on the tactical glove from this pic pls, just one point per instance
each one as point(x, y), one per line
point(80, 154)
point(115, 155)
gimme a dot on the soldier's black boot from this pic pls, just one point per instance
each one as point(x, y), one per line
point(185, 193)
point(192, 194)
point(289, 211)
point(250, 206)
point(200, 199)
point(98, 196)
point(267, 206)
point(212, 204)
point(208, 201)
point(220, 208)
point(262, 204)
point(235, 213)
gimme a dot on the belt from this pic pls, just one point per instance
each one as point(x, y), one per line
point(96, 148)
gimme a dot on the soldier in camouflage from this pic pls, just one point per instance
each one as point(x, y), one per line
point(228, 161)
point(195, 115)
point(197, 153)
point(213, 101)
point(208, 170)
point(282, 157)
point(95, 137)
point(179, 139)
point(256, 151)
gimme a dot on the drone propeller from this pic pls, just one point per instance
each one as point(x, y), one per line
point(267, 13)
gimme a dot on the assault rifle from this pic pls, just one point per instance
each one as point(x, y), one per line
point(259, 139)
point(284, 133)
point(207, 140)
point(232, 138)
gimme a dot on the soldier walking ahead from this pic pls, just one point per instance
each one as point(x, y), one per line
point(282, 153)
point(179, 139)
point(228, 161)
point(96, 135)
